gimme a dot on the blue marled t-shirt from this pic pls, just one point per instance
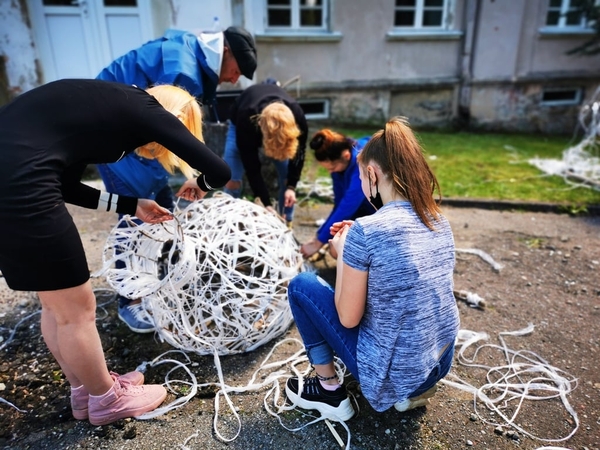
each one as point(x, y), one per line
point(411, 313)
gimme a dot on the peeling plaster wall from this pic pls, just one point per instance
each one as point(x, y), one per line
point(424, 108)
point(517, 108)
point(368, 77)
point(17, 48)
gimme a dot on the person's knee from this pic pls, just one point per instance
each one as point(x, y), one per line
point(301, 283)
point(70, 306)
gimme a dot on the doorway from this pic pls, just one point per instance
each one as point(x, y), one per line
point(78, 38)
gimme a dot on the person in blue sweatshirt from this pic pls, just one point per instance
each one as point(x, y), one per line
point(197, 63)
point(337, 153)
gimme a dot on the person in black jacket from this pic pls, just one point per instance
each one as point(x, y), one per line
point(265, 115)
point(47, 137)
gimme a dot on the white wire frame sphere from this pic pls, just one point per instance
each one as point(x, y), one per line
point(213, 279)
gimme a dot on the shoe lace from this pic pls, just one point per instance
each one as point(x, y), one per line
point(310, 386)
point(140, 313)
point(122, 385)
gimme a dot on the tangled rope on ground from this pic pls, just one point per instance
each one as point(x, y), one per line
point(524, 376)
point(321, 187)
point(580, 165)
point(214, 279)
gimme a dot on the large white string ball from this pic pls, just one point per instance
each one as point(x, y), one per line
point(213, 279)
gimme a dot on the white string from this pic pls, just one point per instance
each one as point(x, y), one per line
point(322, 187)
point(526, 376)
point(483, 255)
point(580, 164)
point(29, 316)
point(274, 373)
point(8, 341)
point(214, 279)
point(470, 298)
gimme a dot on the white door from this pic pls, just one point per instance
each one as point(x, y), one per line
point(78, 38)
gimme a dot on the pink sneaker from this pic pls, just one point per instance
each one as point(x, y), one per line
point(80, 395)
point(124, 400)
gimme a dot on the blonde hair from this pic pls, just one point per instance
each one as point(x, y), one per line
point(280, 131)
point(183, 105)
point(397, 151)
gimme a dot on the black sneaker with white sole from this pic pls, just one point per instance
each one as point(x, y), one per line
point(334, 405)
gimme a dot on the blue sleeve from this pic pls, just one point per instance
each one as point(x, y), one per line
point(177, 60)
point(346, 206)
point(180, 67)
point(356, 253)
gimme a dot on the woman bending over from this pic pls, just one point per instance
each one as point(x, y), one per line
point(47, 137)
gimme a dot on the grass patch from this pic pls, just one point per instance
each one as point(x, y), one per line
point(489, 166)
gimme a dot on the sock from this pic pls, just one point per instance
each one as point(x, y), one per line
point(330, 387)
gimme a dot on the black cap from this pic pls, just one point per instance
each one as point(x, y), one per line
point(241, 44)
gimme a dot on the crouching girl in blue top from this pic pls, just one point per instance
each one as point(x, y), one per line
point(337, 154)
point(392, 318)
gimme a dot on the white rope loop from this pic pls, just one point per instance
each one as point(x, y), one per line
point(580, 163)
point(525, 376)
point(213, 279)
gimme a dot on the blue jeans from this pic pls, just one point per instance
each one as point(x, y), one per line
point(232, 157)
point(313, 305)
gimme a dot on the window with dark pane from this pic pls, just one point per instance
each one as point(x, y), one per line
point(59, 3)
point(432, 18)
point(574, 18)
point(552, 17)
point(311, 13)
point(564, 13)
point(553, 14)
point(120, 2)
point(404, 18)
point(311, 18)
point(404, 15)
point(279, 13)
point(433, 13)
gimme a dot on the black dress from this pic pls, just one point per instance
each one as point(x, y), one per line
point(47, 137)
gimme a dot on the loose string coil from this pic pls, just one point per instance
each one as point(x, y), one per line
point(321, 187)
point(267, 378)
point(580, 164)
point(216, 277)
point(525, 376)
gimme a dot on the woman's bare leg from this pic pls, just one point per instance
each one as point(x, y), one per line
point(48, 325)
point(69, 330)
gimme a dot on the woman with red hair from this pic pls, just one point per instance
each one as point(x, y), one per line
point(337, 153)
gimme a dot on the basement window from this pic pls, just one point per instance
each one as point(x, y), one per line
point(315, 108)
point(567, 96)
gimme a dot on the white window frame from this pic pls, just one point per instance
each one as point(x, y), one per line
point(565, 7)
point(419, 10)
point(576, 100)
point(296, 7)
point(323, 101)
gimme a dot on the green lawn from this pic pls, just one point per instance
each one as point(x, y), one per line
point(490, 166)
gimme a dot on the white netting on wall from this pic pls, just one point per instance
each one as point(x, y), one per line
point(214, 278)
point(580, 164)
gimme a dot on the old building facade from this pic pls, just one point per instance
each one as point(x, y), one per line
point(484, 64)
